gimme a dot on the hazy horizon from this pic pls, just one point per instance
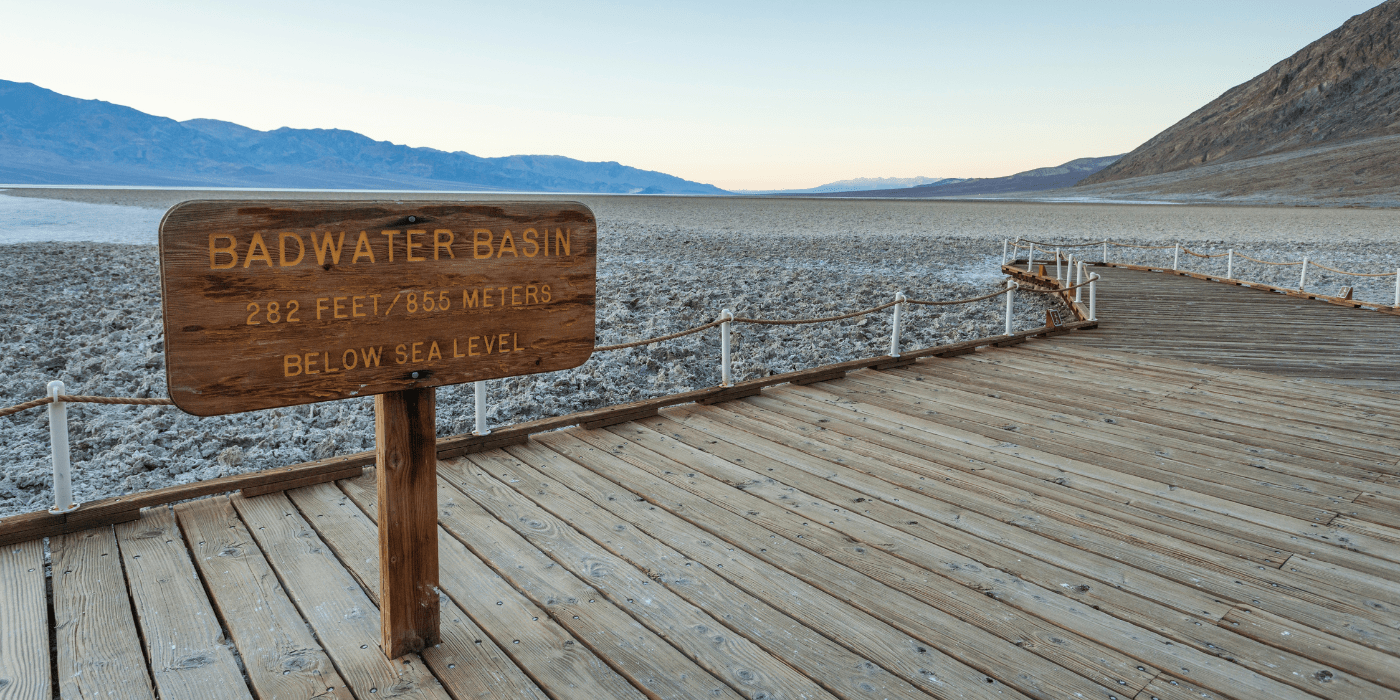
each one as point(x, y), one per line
point(738, 96)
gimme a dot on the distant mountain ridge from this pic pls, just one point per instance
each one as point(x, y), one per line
point(1051, 178)
point(1342, 88)
point(49, 138)
point(860, 183)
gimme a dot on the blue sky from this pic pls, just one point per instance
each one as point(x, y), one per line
point(739, 94)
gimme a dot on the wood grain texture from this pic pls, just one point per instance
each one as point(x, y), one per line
point(467, 661)
point(24, 625)
point(405, 439)
point(342, 616)
point(278, 303)
point(99, 650)
point(541, 646)
point(185, 645)
point(280, 656)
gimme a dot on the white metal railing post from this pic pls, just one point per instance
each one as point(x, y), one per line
point(1093, 298)
point(1303, 279)
point(1105, 251)
point(1057, 265)
point(58, 441)
point(894, 335)
point(1010, 292)
point(1078, 280)
point(1069, 268)
point(1004, 247)
point(724, 348)
point(1230, 265)
point(1030, 258)
point(481, 428)
point(1176, 257)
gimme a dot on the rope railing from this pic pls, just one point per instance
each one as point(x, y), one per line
point(57, 401)
point(1009, 246)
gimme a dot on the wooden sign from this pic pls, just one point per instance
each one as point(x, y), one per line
point(278, 303)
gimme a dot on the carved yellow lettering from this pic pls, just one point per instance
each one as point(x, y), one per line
point(362, 249)
point(290, 363)
point(326, 360)
point(507, 240)
point(324, 247)
point(455, 354)
point(532, 294)
point(355, 307)
point(515, 342)
point(371, 356)
point(434, 353)
point(282, 249)
point(335, 310)
point(469, 302)
point(471, 347)
point(214, 250)
point(514, 296)
point(501, 343)
point(439, 244)
point(561, 237)
point(486, 297)
point(544, 293)
point(400, 354)
point(489, 340)
point(532, 248)
point(255, 245)
point(311, 360)
point(321, 307)
point(409, 245)
point(390, 235)
point(416, 357)
point(349, 360)
point(478, 243)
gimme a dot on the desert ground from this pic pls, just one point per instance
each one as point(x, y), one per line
point(82, 304)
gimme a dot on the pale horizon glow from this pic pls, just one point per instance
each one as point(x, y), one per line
point(739, 95)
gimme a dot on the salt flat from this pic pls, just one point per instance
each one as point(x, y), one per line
point(89, 313)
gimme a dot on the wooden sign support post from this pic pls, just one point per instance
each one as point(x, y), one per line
point(406, 457)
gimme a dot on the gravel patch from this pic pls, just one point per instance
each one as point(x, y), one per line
point(89, 314)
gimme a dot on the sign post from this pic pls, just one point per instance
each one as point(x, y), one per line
point(279, 303)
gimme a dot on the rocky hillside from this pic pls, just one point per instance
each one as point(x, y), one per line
point(1039, 179)
point(1343, 87)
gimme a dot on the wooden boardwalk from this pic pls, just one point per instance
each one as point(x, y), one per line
point(1052, 520)
point(1195, 320)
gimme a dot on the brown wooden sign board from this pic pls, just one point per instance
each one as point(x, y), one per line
point(278, 303)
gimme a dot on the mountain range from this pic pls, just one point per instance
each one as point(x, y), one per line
point(49, 138)
point(1051, 178)
point(860, 184)
point(1322, 125)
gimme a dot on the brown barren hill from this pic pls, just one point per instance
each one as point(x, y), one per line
point(1344, 87)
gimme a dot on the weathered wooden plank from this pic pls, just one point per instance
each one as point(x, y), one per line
point(1093, 581)
point(98, 647)
point(254, 491)
point(733, 658)
point(974, 564)
point(810, 634)
point(185, 645)
point(1013, 654)
point(24, 623)
point(1375, 666)
point(561, 663)
point(405, 425)
point(345, 621)
point(280, 656)
point(467, 661)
